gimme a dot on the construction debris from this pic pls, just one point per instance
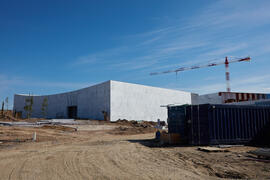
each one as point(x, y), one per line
point(7, 115)
point(212, 149)
point(170, 138)
point(263, 153)
point(133, 123)
point(228, 146)
point(59, 127)
point(41, 123)
point(35, 136)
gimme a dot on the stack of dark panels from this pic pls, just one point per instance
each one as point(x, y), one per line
point(222, 124)
point(177, 121)
point(198, 124)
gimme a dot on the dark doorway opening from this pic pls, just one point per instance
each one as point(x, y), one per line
point(72, 112)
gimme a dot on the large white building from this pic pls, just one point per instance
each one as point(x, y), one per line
point(118, 100)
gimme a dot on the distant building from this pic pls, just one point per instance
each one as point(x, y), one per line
point(111, 100)
point(231, 97)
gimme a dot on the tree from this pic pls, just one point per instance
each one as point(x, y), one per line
point(6, 100)
point(28, 106)
point(2, 110)
point(44, 107)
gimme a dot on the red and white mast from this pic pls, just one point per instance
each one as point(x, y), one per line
point(227, 75)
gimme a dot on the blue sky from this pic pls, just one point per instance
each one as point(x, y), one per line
point(54, 46)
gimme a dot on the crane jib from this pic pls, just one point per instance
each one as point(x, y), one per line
point(226, 62)
point(202, 66)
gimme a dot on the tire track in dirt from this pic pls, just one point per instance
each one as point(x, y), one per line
point(100, 159)
point(20, 172)
point(115, 157)
point(17, 169)
point(75, 164)
point(10, 174)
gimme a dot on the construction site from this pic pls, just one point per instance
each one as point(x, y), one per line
point(117, 130)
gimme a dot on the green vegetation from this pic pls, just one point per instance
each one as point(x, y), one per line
point(28, 106)
point(2, 110)
point(44, 107)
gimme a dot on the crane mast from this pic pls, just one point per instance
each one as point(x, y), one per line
point(227, 75)
point(226, 62)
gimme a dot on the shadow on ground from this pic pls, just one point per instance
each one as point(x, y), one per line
point(153, 143)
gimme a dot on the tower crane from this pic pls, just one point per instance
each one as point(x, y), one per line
point(226, 62)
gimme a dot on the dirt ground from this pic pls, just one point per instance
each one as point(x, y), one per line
point(114, 151)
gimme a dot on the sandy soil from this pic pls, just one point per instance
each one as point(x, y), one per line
point(103, 152)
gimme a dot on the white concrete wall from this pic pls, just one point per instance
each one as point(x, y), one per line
point(210, 99)
point(195, 98)
point(120, 100)
point(90, 103)
point(138, 102)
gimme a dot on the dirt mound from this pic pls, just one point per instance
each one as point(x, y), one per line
point(144, 124)
point(133, 127)
point(7, 115)
point(124, 130)
point(10, 135)
point(8, 118)
point(58, 127)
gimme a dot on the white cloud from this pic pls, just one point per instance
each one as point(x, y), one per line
point(223, 28)
point(230, 13)
point(99, 57)
point(225, 50)
point(252, 83)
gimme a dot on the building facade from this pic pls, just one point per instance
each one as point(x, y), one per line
point(231, 97)
point(111, 100)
